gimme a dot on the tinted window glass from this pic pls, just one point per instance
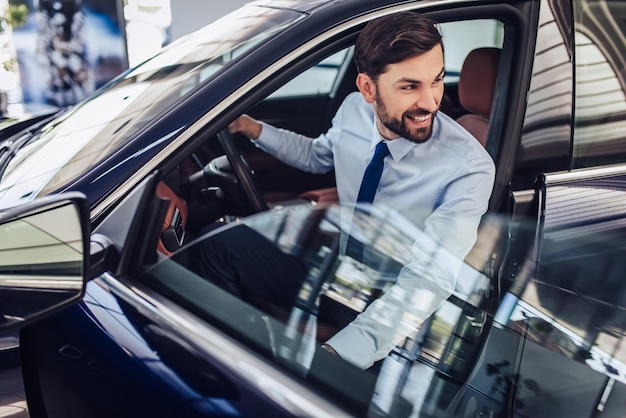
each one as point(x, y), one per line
point(599, 135)
point(546, 134)
point(433, 353)
point(568, 301)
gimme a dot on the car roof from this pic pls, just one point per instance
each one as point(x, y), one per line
point(297, 5)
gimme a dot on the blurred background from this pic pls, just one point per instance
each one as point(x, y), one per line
point(53, 53)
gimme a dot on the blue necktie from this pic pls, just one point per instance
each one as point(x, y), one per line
point(369, 184)
point(371, 178)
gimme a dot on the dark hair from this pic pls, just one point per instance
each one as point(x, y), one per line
point(393, 38)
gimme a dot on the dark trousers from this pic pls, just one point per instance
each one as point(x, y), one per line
point(247, 264)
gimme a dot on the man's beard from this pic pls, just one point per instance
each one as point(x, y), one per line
point(419, 135)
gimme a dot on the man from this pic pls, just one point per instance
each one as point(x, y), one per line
point(433, 163)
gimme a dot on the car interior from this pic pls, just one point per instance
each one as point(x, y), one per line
point(208, 186)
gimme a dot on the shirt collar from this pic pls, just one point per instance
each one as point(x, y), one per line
point(400, 147)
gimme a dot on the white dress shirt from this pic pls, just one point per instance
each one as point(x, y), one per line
point(442, 186)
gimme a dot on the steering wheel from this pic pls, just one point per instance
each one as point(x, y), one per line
point(243, 172)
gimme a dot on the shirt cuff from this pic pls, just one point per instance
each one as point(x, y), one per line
point(353, 346)
point(268, 138)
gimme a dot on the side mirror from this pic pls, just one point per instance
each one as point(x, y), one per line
point(43, 257)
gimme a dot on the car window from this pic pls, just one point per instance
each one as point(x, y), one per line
point(460, 38)
point(317, 80)
point(600, 100)
point(321, 78)
point(568, 303)
point(335, 289)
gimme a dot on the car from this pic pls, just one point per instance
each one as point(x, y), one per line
point(11, 123)
point(104, 206)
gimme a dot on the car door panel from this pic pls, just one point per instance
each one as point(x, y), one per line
point(131, 367)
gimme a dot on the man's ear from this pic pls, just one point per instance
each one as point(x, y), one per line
point(367, 87)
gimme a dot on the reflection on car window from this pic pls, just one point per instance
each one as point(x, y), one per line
point(568, 304)
point(600, 85)
point(336, 289)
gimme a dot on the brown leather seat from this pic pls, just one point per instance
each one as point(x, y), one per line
point(477, 85)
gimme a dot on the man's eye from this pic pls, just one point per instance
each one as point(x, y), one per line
point(438, 80)
point(408, 87)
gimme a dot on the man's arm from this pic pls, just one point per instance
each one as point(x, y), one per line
point(420, 289)
point(314, 155)
point(426, 282)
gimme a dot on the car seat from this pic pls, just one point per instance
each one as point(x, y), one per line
point(477, 85)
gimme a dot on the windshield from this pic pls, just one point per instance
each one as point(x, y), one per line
point(69, 146)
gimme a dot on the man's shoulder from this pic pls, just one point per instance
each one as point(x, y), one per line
point(355, 98)
point(354, 109)
point(451, 129)
point(453, 135)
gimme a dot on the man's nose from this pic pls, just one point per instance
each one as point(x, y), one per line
point(428, 100)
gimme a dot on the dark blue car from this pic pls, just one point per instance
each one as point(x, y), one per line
point(104, 206)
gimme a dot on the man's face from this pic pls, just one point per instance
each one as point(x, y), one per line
point(407, 96)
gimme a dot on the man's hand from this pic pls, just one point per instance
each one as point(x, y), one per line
point(246, 125)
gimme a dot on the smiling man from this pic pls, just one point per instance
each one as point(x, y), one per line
point(435, 173)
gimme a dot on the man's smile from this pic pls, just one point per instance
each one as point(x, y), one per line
point(422, 120)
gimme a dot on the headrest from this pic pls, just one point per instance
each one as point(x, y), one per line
point(477, 81)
